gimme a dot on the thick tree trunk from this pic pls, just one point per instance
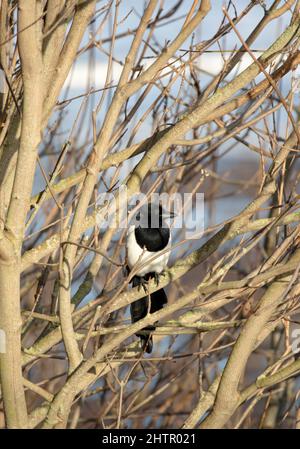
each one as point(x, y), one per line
point(10, 360)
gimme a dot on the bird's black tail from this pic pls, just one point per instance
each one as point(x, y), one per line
point(140, 308)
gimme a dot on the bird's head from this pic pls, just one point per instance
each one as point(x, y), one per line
point(153, 215)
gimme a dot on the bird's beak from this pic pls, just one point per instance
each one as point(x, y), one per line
point(168, 214)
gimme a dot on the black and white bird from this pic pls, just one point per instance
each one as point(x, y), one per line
point(148, 241)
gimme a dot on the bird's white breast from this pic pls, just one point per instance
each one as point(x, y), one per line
point(141, 257)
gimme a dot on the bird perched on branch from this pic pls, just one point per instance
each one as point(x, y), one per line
point(148, 241)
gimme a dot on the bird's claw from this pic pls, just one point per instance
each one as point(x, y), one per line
point(144, 284)
point(141, 281)
point(156, 278)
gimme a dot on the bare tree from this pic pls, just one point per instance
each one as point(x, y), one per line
point(191, 101)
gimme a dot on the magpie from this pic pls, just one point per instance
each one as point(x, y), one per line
point(147, 246)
